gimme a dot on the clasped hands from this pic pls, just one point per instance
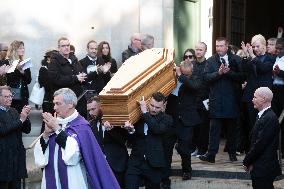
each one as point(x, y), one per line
point(51, 124)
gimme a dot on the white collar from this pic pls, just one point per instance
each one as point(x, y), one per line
point(262, 111)
point(92, 59)
point(68, 119)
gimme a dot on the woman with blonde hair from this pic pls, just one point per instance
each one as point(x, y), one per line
point(257, 64)
point(19, 79)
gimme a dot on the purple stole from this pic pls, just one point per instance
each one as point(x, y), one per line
point(49, 169)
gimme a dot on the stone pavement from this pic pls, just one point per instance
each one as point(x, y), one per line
point(222, 174)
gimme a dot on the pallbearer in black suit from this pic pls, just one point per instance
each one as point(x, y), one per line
point(111, 140)
point(261, 161)
point(147, 157)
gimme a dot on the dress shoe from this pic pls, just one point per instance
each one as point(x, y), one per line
point(233, 157)
point(166, 184)
point(186, 176)
point(207, 157)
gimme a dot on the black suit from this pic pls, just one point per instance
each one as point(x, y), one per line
point(147, 156)
point(224, 100)
point(97, 80)
point(187, 105)
point(263, 152)
point(112, 144)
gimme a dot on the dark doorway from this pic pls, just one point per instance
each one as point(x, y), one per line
point(239, 20)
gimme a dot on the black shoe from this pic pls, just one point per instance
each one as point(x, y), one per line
point(186, 176)
point(233, 157)
point(166, 184)
point(207, 157)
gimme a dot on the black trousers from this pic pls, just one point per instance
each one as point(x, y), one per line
point(15, 184)
point(263, 182)
point(214, 135)
point(184, 144)
point(201, 133)
point(169, 141)
point(138, 169)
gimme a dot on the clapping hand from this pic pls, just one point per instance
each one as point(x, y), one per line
point(4, 69)
point(81, 76)
point(25, 113)
point(276, 69)
point(106, 67)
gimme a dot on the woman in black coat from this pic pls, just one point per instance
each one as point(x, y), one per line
point(19, 79)
point(43, 80)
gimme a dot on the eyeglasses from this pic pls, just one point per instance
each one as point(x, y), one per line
point(188, 56)
point(8, 96)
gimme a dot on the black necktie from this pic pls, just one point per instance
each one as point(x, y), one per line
point(223, 61)
point(101, 135)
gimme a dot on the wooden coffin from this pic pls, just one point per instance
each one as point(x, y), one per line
point(150, 71)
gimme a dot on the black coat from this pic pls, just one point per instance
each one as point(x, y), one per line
point(43, 80)
point(16, 79)
point(63, 74)
point(225, 90)
point(128, 53)
point(264, 144)
point(258, 74)
point(12, 151)
point(113, 145)
point(150, 145)
point(187, 100)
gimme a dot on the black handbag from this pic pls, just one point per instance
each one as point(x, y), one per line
point(17, 92)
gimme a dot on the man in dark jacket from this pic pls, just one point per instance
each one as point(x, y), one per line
point(97, 70)
point(223, 75)
point(147, 156)
point(111, 140)
point(134, 47)
point(65, 71)
point(13, 154)
point(261, 161)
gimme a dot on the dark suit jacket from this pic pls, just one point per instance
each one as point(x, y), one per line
point(98, 80)
point(187, 100)
point(113, 145)
point(264, 144)
point(150, 145)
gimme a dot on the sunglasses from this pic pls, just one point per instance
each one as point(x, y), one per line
point(188, 56)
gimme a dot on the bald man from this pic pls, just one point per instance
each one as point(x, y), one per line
point(261, 161)
point(133, 48)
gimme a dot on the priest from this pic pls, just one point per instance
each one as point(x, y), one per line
point(68, 152)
